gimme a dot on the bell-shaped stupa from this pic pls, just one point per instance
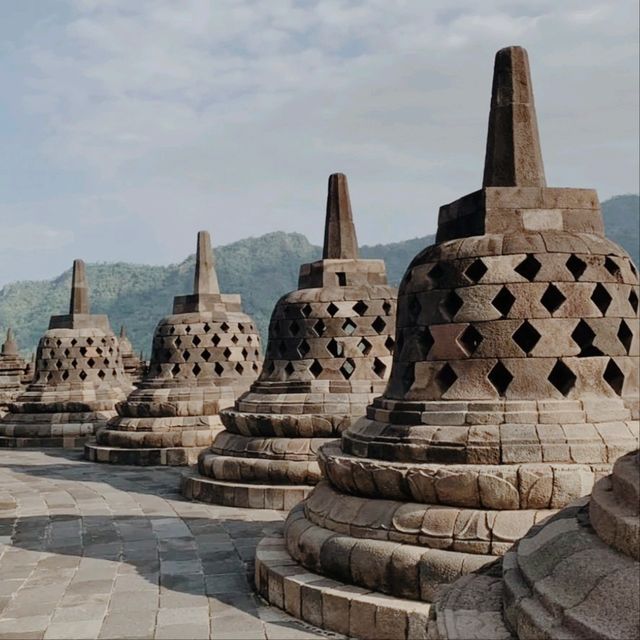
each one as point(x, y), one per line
point(204, 355)
point(516, 343)
point(329, 354)
point(133, 365)
point(577, 575)
point(12, 367)
point(77, 381)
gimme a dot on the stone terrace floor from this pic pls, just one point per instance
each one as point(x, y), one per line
point(99, 551)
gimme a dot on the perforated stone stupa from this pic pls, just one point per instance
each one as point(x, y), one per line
point(12, 368)
point(78, 379)
point(133, 365)
point(328, 356)
point(516, 342)
point(577, 575)
point(204, 355)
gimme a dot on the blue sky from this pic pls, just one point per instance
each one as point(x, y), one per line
point(127, 126)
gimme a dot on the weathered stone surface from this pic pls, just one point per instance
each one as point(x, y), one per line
point(204, 356)
point(12, 370)
point(328, 356)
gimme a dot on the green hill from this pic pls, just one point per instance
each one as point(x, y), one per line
point(261, 269)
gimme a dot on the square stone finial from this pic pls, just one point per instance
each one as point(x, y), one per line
point(79, 290)
point(10, 346)
point(340, 240)
point(513, 156)
point(205, 279)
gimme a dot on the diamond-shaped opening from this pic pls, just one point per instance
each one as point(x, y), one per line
point(389, 343)
point(625, 335)
point(240, 327)
point(289, 369)
point(476, 270)
point(186, 355)
point(216, 339)
point(59, 364)
point(74, 363)
point(227, 353)
point(500, 377)
point(435, 273)
point(245, 353)
point(576, 266)
point(83, 351)
point(65, 375)
point(601, 298)
point(503, 301)
point(319, 328)
point(196, 369)
point(445, 378)
point(349, 326)
point(196, 341)
point(526, 336)
point(207, 327)
point(187, 330)
point(101, 374)
point(294, 328)
point(254, 366)
point(106, 362)
point(239, 368)
point(470, 339)
point(378, 325)
point(306, 310)
point(387, 306)
point(234, 339)
point(414, 307)
point(67, 353)
point(249, 339)
point(364, 347)
point(633, 300)
point(206, 354)
point(175, 370)
point(529, 267)
point(583, 335)
point(91, 362)
point(379, 367)
point(104, 341)
point(89, 342)
point(218, 368)
point(224, 327)
point(99, 351)
point(82, 375)
point(282, 348)
point(332, 309)
point(614, 377)
point(408, 375)
point(360, 307)
point(74, 342)
point(178, 341)
point(315, 369)
point(612, 266)
point(562, 378)
point(172, 330)
point(347, 368)
point(552, 299)
point(451, 305)
point(335, 348)
point(303, 348)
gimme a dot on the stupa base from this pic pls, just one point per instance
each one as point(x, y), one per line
point(332, 605)
point(53, 442)
point(242, 495)
point(143, 457)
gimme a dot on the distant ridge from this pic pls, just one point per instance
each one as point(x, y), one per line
point(261, 269)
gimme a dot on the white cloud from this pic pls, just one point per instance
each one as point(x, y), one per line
point(230, 114)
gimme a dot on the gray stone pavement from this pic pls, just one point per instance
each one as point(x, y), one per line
point(99, 551)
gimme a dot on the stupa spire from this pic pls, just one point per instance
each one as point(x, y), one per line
point(10, 347)
point(339, 233)
point(205, 279)
point(79, 289)
point(513, 156)
point(123, 332)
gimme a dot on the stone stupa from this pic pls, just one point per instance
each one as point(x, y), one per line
point(328, 356)
point(12, 367)
point(78, 379)
point(134, 366)
point(516, 345)
point(577, 575)
point(204, 355)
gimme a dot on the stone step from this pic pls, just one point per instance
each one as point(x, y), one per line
point(352, 611)
point(170, 456)
point(244, 495)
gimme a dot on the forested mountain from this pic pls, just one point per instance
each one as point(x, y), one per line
point(260, 269)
